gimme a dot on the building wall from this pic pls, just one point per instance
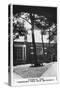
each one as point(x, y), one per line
point(23, 53)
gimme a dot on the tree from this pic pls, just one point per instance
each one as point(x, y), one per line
point(43, 25)
point(33, 19)
point(39, 21)
point(33, 40)
point(53, 40)
point(18, 28)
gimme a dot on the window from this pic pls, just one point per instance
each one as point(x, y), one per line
point(20, 52)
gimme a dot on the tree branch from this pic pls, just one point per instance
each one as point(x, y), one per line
point(26, 20)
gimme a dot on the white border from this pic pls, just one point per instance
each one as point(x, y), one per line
point(4, 42)
point(11, 44)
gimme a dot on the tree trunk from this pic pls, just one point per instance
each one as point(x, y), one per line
point(33, 42)
point(49, 46)
point(25, 43)
point(49, 36)
point(42, 42)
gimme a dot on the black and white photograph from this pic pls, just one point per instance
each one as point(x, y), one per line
point(32, 44)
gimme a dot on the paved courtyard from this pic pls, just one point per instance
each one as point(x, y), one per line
point(25, 71)
point(22, 72)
